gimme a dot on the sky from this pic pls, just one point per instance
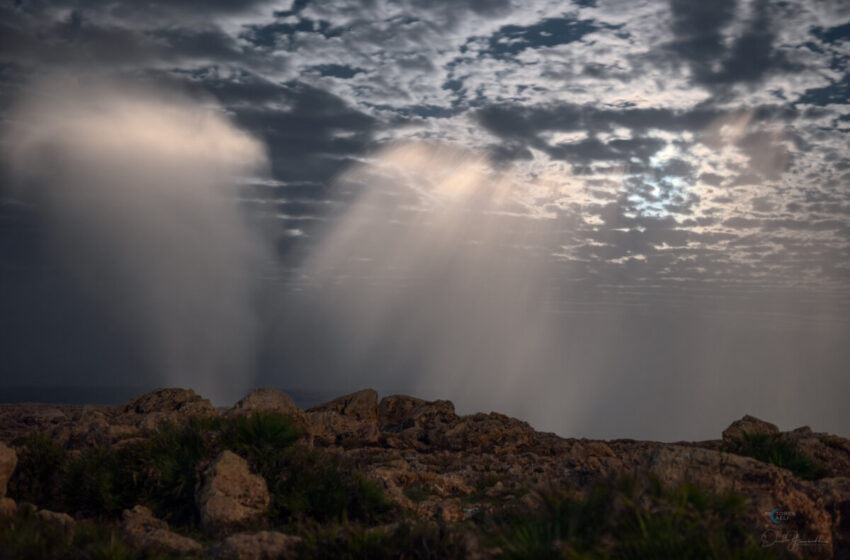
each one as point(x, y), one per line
point(609, 218)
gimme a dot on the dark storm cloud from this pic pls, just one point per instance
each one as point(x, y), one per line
point(715, 61)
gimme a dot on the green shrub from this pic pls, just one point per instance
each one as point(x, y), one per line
point(261, 438)
point(160, 472)
point(406, 541)
point(322, 486)
point(36, 478)
point(768, 448)
point(632, 519)
point(24, 536)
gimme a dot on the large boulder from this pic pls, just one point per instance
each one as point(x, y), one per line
point(231, 494)
point(164, 406)
point(351, 418)
point(268, 399)
point(748, 425)
point(8, 461)
point(146, 532)
point(265, 545)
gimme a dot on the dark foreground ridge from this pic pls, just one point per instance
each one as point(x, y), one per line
point(170, 476)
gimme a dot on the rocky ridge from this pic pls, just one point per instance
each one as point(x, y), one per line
point(432, 463)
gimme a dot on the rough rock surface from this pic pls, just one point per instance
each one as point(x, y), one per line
point(394, 410)
point(164, 406)
point(269, 399)
point(265, 545)
point(437, 464)
point(61, 521)
point(349, 419)
point(7, 507)
point(767, 486)
point(8, 460)
point(749, 425)
point(145, 531)
point(231, 494)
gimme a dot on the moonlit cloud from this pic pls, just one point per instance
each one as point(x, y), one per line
point(684, 170)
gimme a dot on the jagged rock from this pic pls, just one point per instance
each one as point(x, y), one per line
point(352, 417)
point(8, 461)
point(164, 406)
point(750, 425)
point(450, 485)
point(231, 494)
point(836, 493)
point(394, 410)
point(830, 453)
point(61, 521)
point(432, 415)
point(766, 486)
point(268, 399)
point(265, 545)
point(144, 531)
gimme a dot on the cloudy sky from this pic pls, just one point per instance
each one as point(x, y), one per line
point(678, 207)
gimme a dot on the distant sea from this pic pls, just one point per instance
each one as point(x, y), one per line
point(122, 394)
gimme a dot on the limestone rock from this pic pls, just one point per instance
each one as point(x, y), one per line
point(61, 521)
point(264, 399)
point(352, 417)
point(7, 507)
point(164, 406)
point(767, 486)
point(265, 545)
point(8, 461)
point(830, 453)
point(750, 425)
point(145, 531)
point(395, 409)
point(231, 494)
point(450, 485)
point(269, 399)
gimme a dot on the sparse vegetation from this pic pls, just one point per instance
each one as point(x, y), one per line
point(24, 536)
point(36, 479)
point(164, 470)
point(634, 519)
point(769, 448)
point(322, 486)
point(407, 540)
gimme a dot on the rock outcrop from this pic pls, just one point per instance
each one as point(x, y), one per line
point(164, 406)
point(8, 460)
point(265, 545)
point(748, 425)
point(434, 464)
point(351, 419)
point(146, 532)
point(231, 494)
point(269, 399)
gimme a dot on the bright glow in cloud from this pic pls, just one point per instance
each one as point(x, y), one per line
point(135, 189)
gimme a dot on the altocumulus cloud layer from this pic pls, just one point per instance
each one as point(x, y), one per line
point(679, 201)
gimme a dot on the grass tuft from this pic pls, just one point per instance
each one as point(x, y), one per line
point(769, 448)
